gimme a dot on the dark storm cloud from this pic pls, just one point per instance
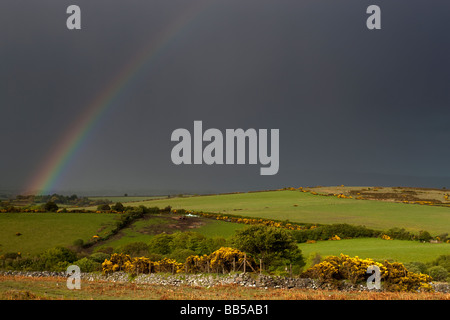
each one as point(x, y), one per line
point(353, 106)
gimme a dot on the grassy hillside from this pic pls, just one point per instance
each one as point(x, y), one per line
point(40, 231)
point(306, 207)
point(378, 249)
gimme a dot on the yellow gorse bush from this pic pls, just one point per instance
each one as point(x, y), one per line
point(400, 279)
point(197, 263)
point(116, 262)
point(354, 269)
point(223, 260)
point(395, 276)
point(123, 262)
point(335, 237)
point(139, 265)
point(168, 265)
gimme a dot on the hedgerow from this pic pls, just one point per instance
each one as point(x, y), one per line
point(343, 230)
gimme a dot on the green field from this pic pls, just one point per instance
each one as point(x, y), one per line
point(219, 228)
point(378, 249)
point(305, 207)
point(41, 231)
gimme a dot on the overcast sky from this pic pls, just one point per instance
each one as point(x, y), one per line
point(353, 106)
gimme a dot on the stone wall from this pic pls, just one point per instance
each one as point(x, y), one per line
point(210, 280)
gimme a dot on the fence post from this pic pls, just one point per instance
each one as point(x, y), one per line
point(260, 266)
point(245, 261)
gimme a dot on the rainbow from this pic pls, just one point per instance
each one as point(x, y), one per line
point(57, 161)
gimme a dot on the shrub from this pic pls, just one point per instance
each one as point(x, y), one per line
point(181, 255)
point(134, 249)
point(59, 254)
point(166, 244)
point(55, 259)
point(399, 234)
point(395, 276)
point(160, 243)
point(342, 267)
point(60, 266)
point(326, 232)
point(118, 207)
point(207, 245)
point(416, 267)
point(398, 278)
point(99, 256)
point(196, 263)
point(424, 236)
point(103, 207)
point(442, 260)
point(168, 265)
point(131, 214)
point(51, 206)
point(24, 264)
point(225, 259)
point(275, 246)
point(115, 263)
point(123, 262)
point(438, 273)
point(386, 237)
point(155, 256)
point(139, 265)
point(11, 255)
point(88, 265)
point(442, 237)
point(314, 258)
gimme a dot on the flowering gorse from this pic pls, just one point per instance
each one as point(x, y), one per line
point(395, 276)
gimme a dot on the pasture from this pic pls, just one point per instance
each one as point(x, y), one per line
point(298, 206)
point(397, 250)
point(40, 231)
